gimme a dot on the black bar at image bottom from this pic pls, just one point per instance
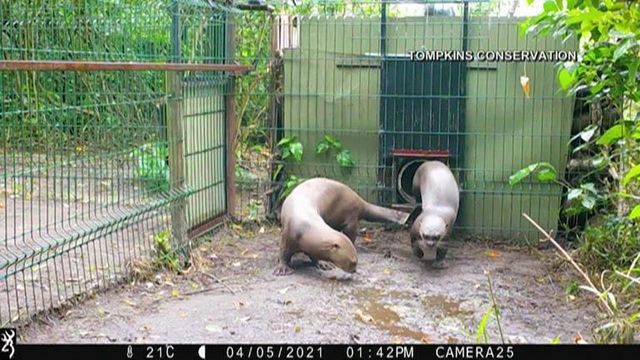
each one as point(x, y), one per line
point(332, 352)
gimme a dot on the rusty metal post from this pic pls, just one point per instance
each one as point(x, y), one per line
point(230, 119)
point(176, 138)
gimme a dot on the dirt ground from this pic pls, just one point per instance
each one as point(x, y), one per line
point(230, 295)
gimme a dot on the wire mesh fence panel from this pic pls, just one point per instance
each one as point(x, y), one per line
point(86, 185)
point(364, 91)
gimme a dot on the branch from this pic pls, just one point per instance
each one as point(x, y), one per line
point(570, 259)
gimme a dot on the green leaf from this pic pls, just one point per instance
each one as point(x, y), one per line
point(621, 50)
point(296, 150)
point(588, 132)
point(546, 175)
point(612, 135)
point(574, 194)
point(335, 143)
point(589, 187)
point(481, 333)
point(550, 6)
point(635, 213)
point(589, 202)
point(519, 176)
point(566, 78)
point(555, 340)
point(345, 159)
point(322, 147)
point(633, 173)
point(286, 140)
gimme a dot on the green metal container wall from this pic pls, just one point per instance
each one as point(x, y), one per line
point(331, 87)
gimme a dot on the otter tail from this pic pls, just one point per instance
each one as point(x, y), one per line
point(375, 213)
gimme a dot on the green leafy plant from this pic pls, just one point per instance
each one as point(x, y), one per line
point(343, 156)
point(608, 73)
point(290, 183)
point(152, 166)
point(166, 257)
point(291, 151)
point(608, 70)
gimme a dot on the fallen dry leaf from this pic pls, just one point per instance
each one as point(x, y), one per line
point(130, 303)
point(578, 339)
point(297, 328)
point(492, 253)
point(367, 237)
point(283, 291)
point(212, 328)
point(526, 87)
point(363, 317)
point(248, 254)
point(175, 293)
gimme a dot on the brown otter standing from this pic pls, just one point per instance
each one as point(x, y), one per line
point(320, 218)
point(436, 185)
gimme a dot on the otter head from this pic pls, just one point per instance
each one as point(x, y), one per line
point(432, 231)
point(338, 249)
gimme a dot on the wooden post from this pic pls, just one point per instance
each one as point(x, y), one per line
point(276, 68)
point(176, 156)
point(230, 120)
point(176, 138)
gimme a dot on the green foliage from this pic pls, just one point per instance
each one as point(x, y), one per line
point(343, 156)
point(545, 172)
point(290, 184)
point(165, 257)
point(610, 33)
point(291, 149)
point(252, 90)
point(152, 168)
point(611, 244)
point(481, 333)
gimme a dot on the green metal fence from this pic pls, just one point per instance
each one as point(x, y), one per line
point(97, 166)
point(347, 74)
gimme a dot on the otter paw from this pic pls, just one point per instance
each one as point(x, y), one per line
point(283, 270)
point(324, 265)
point(440, 264)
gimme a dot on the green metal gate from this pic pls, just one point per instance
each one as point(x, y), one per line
point(100, 162)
